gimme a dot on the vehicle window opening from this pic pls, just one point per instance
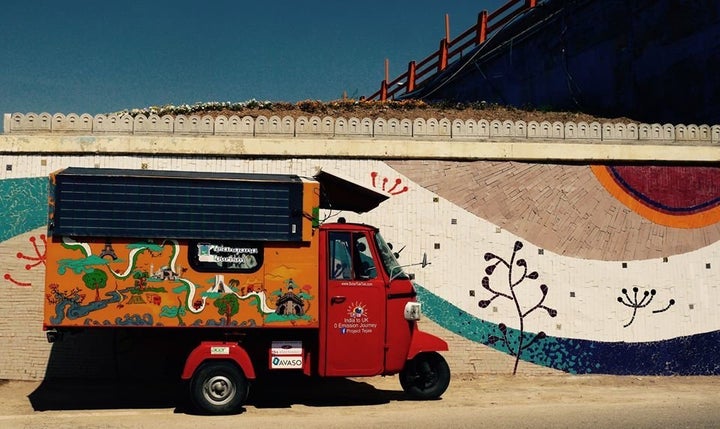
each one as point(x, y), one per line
point(390, 264)
point(350, 257)
point(364, 264)
point(339, 255)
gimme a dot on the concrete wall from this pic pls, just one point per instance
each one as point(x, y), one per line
point(470, 204)
point(355, 127)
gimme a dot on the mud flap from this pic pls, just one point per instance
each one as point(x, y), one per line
point(424, 342)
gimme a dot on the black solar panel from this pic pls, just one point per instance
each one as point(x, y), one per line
point(183, 205)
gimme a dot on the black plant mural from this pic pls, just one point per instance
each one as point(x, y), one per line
point(517, 273)
point(636, 303)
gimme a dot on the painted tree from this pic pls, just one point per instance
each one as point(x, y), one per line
point(174, 311)
point(514, 279)
point(228, 305)
point(141, 278)
point(95, 280)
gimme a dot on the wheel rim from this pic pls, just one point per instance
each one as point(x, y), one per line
point(426, 376)
point(219, 390)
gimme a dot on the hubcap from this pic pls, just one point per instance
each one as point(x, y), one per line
point(219, 390)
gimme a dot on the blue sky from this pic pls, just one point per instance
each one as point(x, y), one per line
point(99, 57)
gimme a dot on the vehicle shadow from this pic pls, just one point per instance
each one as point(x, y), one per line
point(115, 369)
point(109, 368)
point(98, 394)
point(285, 390)
point(270, 392)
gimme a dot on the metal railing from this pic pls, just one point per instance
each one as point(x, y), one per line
point(437, 62)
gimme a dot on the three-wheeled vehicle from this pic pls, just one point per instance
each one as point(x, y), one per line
point(245, 261)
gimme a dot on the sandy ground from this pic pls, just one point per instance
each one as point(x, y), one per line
point(562, 401)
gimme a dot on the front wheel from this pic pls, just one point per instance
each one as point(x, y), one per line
point(218, 388)
point(426, 376)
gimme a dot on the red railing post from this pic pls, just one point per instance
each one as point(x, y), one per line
point(481, 29)
point(411, 76)
point(384, 84)
point(447, 27)
point(443, 55)
point(477, 34)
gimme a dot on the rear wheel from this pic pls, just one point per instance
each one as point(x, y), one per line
point(219, 388)
point(426, 376)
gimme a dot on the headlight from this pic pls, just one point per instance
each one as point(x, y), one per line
point(413, 311)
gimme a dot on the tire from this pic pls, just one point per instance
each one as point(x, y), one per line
point(426, 376)
point(218, 388)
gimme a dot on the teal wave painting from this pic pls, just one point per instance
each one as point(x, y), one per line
point(23, 205)
point(687, 355)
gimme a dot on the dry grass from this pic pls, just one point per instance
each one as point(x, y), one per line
point(406, 109)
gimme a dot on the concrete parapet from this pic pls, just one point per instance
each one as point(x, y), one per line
point(382, 128)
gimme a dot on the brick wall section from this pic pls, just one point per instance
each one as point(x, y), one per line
point(25, 350)
point(552, 206)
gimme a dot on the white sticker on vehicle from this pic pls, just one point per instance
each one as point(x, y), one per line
point(286, 355)
point(286, 362)
point(286, 348)
point(219, 350)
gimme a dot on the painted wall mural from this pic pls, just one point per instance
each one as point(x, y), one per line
point(636, 303)
point(595, 269)
point(22, 202)
point(511, 284)
point(383, 184)
point(39, 247)
point(560, 208)
point(681, 197)
point(660, 276)
point(22, 207)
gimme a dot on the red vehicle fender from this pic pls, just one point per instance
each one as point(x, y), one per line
point(424, 342)
point(218, 350)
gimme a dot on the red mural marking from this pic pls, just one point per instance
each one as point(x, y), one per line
point(22, 284)
point(395, 189)
point(39, 258)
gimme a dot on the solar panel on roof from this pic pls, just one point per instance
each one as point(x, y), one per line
point(186, 205)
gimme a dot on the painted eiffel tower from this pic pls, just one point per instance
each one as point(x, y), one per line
point(109, 251)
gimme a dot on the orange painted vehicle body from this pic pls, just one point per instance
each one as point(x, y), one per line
point(147, 283)
point(328, 300)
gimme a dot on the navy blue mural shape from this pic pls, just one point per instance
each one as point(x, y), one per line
point(686, 355)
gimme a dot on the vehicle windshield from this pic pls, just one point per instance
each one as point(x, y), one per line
point(392, 267)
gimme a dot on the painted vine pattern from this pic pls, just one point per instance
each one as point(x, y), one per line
point(517, 274)
point(33, 260)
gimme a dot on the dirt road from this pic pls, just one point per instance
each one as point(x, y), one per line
point(471, 402)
